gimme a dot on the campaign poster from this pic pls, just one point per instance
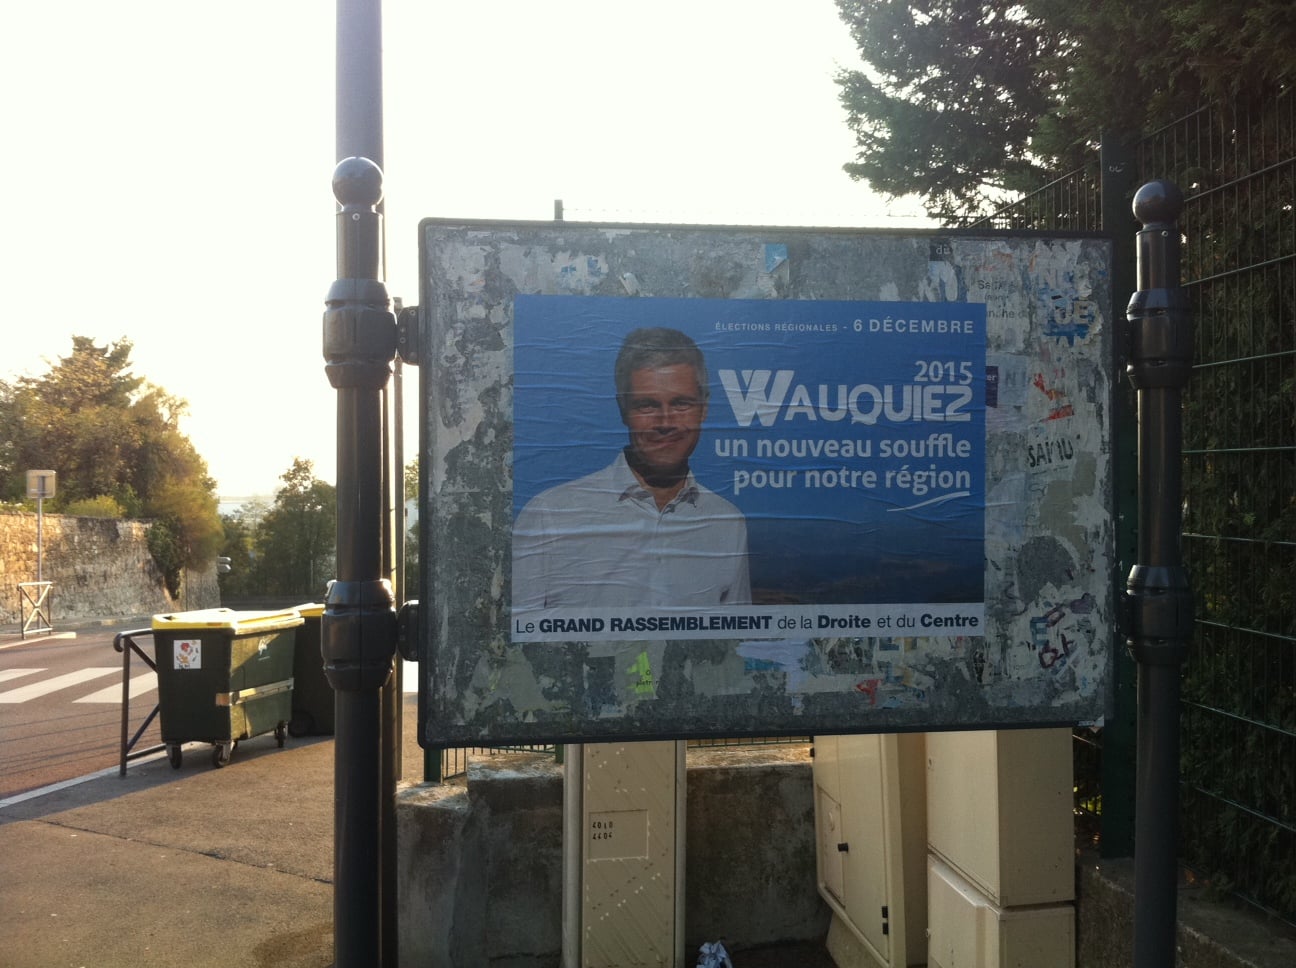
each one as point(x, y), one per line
point(813, 468)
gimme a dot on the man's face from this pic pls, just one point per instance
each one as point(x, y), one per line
point(664, 411)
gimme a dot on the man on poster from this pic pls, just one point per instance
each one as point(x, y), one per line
point(642, 531)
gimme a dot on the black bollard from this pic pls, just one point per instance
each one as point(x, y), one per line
point(1158, 598)
point(358, 628)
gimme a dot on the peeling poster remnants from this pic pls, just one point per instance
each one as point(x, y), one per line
point(832, 398)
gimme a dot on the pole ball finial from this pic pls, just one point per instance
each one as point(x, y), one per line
point(1158, 202)
point(357, 182)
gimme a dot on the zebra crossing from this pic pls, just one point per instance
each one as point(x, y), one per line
point(17, 686)
point(25, 684)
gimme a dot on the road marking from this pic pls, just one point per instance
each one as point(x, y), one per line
point(75, 781)
point(36, 640)
point(112, 694)
point(7, 674)
point(37, 689)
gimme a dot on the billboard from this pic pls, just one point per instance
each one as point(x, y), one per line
point(834, 480)
point(689, 481)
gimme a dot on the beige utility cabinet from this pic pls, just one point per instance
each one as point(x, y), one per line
point(871, 847)
point(968, 931)
point(623, 897)
point(999, 812)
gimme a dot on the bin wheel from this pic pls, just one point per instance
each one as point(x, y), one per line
point(281, 732)
point(221, 754)
point(175, 756)
point(301, 724)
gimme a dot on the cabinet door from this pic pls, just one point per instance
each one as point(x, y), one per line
point(865, 833)
point(629, 811)
point(828, 828)
point(871, 837)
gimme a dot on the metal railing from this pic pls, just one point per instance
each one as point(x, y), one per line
point(1238, 817)
point(34, 607)
point(124, 642)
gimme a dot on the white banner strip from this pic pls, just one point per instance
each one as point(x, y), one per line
point(748, 622)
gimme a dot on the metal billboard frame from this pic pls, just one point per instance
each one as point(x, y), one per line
point(1049, 495)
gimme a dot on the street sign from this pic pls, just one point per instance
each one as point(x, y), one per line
point(688, 481)
point(40, 484)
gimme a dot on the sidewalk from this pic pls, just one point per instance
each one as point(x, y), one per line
point(197, 866)
point(167, 867)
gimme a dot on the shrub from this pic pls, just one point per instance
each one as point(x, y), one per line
point(102, 506)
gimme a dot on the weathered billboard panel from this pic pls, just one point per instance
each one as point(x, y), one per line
point(690, 481)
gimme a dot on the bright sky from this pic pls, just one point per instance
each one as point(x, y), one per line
point(167, 169)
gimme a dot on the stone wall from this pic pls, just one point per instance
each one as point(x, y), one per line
point(100, 567)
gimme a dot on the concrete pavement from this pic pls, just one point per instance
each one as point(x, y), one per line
point(200, 866)
point(167, 867)
point(196, 866)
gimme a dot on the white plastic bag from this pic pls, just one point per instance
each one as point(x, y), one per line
point(713, 955)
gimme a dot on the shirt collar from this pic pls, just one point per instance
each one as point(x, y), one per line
point(628, 487)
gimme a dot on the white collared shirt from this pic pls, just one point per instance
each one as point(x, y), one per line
point(601, 541)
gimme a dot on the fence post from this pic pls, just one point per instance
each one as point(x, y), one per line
point(1119, 732)
point(1158, 603)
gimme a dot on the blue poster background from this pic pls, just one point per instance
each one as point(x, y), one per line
point(850, 434)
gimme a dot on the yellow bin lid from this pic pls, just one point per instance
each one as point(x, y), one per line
point(311, 610)
point(230, 620)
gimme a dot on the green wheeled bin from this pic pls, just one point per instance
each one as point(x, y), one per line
point(224, 676)
point(312, 705)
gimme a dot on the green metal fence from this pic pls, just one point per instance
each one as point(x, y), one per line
point(1237, 168)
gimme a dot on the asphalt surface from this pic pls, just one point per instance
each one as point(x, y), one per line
point(194, 866)
point(177, 867)
point(61, 708)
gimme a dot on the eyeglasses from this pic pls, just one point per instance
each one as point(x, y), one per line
point(680, 406)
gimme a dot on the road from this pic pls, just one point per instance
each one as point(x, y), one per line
point(60, 707)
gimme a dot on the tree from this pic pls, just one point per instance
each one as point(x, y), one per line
point(112, 436)
point(77, 419)
point(950, 99)
point(296, 538)
point(412, 572)
point(411, 479)
point(241, 546)
point(963, 100)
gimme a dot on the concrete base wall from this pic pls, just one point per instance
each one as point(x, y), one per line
point(101, 568)
point(480, 872)
point(1212, 933)
point(480, 863)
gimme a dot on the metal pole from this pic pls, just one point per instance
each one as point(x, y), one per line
point(359, 115)
point(1159, 601)
point(40, 536)
point(358, 628)
point(390, 735)
point(125, 702)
